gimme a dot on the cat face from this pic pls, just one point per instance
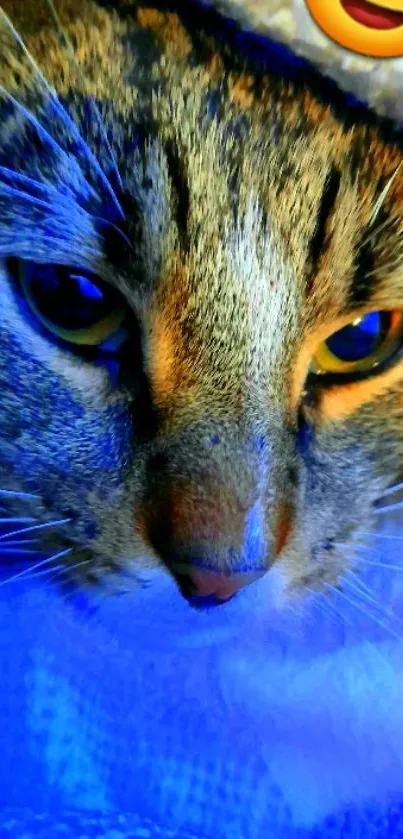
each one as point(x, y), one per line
point(201, 282)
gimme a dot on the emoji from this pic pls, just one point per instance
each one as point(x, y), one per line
point(374, 29)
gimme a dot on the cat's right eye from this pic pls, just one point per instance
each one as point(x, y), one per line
point(362, 346)
point(73, 305)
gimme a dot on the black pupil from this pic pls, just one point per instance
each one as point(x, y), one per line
point(70, 299)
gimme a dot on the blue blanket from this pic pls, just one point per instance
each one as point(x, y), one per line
point(138, 717)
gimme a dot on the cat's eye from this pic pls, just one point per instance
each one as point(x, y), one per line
point(72, 304)
point(362, 345)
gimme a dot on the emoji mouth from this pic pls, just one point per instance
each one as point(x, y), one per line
point(371, 15)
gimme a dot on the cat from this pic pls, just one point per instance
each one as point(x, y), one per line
point(201, 291)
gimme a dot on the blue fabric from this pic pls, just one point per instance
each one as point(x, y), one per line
point(138, 717)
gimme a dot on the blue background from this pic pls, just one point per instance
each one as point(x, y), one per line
point(137, 717)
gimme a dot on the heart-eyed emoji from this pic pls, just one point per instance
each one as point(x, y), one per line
point(374, 29)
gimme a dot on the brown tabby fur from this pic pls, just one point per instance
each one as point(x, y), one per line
point(260, 222)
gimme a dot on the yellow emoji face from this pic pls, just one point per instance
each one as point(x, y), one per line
point(374, 29)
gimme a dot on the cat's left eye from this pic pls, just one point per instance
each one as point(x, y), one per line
point(73, 305)
point(362, 345)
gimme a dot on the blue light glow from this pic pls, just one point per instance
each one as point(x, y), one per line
point(358, 340)
point(243, 722)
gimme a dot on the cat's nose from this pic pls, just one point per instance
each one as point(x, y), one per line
point(200, 583)
point(212, 539)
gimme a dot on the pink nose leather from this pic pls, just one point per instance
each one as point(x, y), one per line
point(209, 583)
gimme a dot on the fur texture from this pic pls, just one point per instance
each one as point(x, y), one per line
point(254, 214)
point(373, 80)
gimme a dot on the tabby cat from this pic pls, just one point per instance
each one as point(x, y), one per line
point(201, 290)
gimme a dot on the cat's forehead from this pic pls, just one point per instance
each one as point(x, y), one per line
point(266, 182)
point(149, 61)
point(129, 52)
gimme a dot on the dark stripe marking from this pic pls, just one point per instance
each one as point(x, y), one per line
point(181, 187)
point(318, 241)
point(363, 280)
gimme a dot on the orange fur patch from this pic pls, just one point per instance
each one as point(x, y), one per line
point(283, 529)
point(338, 403)
point(240, 92)
point(168, 28)
point(162, 357)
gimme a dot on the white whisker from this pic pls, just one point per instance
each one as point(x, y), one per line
point(387, 266)
point(64, 570)
point(69, 567)
point(354, 586)
point(12, 192)
point(364, 611)
point(21, 520)
point(58, 198)
point(326, 603)
point(61, 110)
point(392, 490)
point(28, 571)
point(345, 546)
point(17, 552)
point(33, 576)
point(378, 510)
point(335, 610)
point(52, 572)
point(49, 208)
point(361, 583)
point(389, 613)
point(31, 183)
point(377, 231)
point(13, 175)
point(42, 132)
point(380, 536)
point(383, 195)
point(95, 108)
point(34, 527)
point(11, 494)
point(17, 543)
point(385, 565)
point(117, 229)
